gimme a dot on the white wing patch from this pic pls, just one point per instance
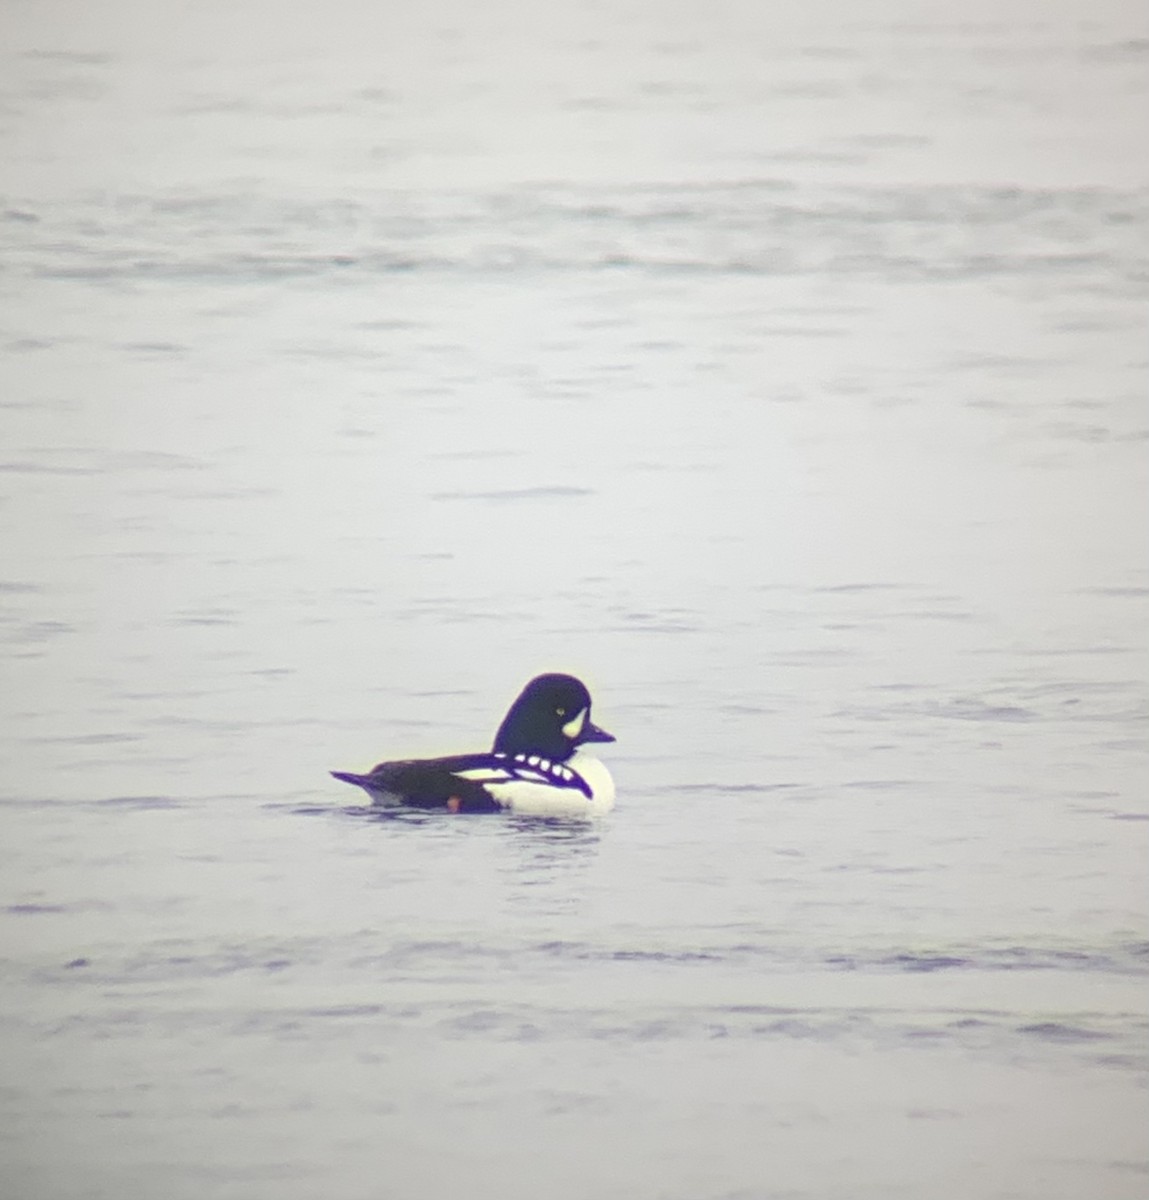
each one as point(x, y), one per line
point(526, 768)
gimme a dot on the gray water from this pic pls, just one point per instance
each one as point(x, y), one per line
point(781, 373)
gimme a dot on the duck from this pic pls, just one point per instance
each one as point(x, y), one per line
point(538, 765)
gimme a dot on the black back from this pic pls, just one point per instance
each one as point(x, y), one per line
point(433, 784)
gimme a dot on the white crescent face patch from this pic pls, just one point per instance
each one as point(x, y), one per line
point(575, 725)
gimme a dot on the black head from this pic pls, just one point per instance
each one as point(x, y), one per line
point(550, 718)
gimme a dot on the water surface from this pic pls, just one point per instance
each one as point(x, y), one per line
point(782, 376)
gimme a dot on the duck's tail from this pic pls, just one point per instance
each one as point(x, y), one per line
point(363, 781)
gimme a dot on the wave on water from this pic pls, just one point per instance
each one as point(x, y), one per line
point(416, 957)
point(1130, 959)
point(749, 227)
point(509, 494)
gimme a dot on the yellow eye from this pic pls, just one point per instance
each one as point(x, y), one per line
point(562, 712)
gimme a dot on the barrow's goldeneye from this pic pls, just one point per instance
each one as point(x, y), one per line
point(537, 764)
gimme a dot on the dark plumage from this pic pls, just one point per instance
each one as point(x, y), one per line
point(531, 726)
point(527, 766)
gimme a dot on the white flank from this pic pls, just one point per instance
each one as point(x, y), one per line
point(546, 800)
